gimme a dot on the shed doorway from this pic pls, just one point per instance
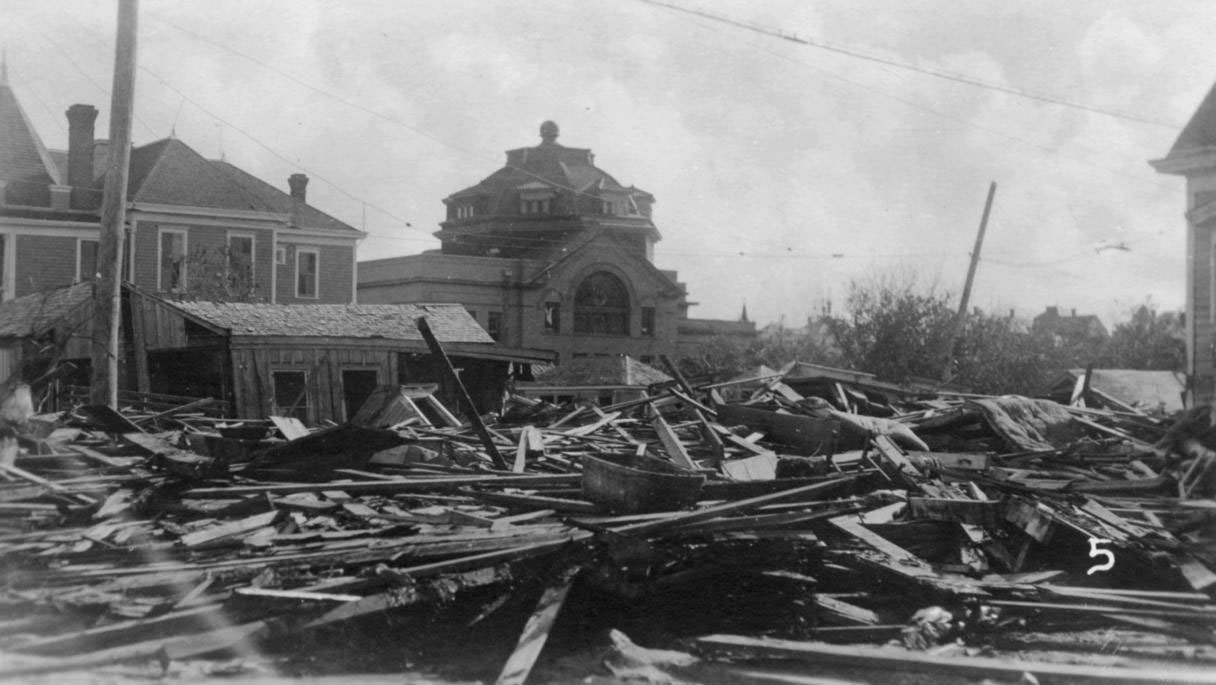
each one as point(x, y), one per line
point(357, 386)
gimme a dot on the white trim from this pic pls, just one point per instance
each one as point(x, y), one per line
point(253, 251)
point(277, 250)
point(185, 234)
point(274, 272)
point(79, 244)
point(180, 210)
point(316, 273)
point(48, 229)
point(354, 277)
point(8, 270)
point(315, 239)
point(233, 222)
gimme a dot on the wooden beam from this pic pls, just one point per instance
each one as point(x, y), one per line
point(899, 660)
point(536, 631)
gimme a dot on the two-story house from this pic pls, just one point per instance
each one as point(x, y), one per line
point(552, 252)
point(195, 227)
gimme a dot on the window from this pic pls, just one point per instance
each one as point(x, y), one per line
point(280, 256)
point(290, 394)
point(494, 324)
point(553, 317)
point(5, 292)
point(648, 321)
point(171, 259)
point(464, 211)
point(240, 260)
point(306, 272)
point(601, 305)
point(86, 259)
point(607, 208)
point(534, 206)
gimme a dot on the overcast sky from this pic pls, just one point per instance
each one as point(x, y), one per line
point(781, 171)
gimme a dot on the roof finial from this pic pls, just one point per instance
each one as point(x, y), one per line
point(548, 132)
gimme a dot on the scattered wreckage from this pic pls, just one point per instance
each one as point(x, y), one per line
point(856, 531)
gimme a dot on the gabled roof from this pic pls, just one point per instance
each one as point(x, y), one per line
point(172, 173)
point(37, 312)
point(449, 322)
point(1200, 131)
point(621, 370)
point(23, 157)
point(303, 214)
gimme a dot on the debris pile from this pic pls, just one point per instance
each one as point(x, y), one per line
point(853, 525)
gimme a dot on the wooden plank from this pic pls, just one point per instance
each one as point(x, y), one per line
point(290, 427)
point(21, 473)
point(671, 443)
point(479, 426)
point(386, 486)
point(223, 531)
point(899, 660)
point(850, 613)
point(536, 631)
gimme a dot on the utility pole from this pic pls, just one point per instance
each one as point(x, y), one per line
point(963, 303)
point(107, 291)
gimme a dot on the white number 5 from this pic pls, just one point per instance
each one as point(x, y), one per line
point(1094, 551)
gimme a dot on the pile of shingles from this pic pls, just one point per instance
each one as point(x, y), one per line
point(949, 527)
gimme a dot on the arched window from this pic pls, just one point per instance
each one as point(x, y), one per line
point(601, 305)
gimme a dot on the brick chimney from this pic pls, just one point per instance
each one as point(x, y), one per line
point(1053, 312)
point(299, 185)
point(80, 145)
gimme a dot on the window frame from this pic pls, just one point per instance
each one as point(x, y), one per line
point(161, 231)
point(552, 323)
point(495, 320)
point(80, 254)
point(253, 253)
point(280, 255)
point(306, 405)
point(316, 286)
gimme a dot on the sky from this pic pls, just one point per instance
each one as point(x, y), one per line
point(782, 171)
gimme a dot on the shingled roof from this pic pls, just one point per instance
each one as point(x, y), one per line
point(34, 313)
point(23, 157)
point(449, 322)
point(302, 214)
point(172, 173)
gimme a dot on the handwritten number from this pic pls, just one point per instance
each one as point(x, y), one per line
point(1096, 551)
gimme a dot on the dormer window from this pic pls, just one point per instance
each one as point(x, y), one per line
point(536, 198)
point(464, 211)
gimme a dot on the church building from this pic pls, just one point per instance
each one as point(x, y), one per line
point(552, 252)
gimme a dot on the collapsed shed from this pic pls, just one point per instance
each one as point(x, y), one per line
point(315, 362)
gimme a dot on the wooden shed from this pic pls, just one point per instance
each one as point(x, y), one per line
point(313, 361)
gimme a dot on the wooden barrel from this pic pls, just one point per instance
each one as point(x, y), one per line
point(636, 485)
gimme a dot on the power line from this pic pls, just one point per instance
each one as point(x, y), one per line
point(948, 76)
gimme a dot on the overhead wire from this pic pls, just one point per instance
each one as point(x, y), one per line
point(936, 73)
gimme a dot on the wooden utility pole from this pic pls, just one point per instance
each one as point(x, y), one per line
point(107, 291)
point(961, 317)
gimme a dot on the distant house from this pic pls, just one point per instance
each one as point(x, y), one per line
point(605, 380)
point(551, 251)
point(1193, 156)
point(314, 361)
point(195, 226)
point(1071, 328)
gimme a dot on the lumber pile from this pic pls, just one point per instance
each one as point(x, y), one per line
point(850, 525)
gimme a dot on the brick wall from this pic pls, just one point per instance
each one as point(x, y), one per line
point(43, 262)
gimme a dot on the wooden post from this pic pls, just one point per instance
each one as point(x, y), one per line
point(474, 417)
point(966, 300)
point(107, 291)
point(139, 348)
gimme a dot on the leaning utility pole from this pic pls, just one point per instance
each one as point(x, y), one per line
point(962, 305)
point(107, 290)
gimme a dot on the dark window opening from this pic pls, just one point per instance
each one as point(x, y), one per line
point(601, 305)
point(553, 317)
point(648, 321)
point(240, 261)
point(86, 265)
point(357, 386)
point(290, 394)
point(494, 325)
